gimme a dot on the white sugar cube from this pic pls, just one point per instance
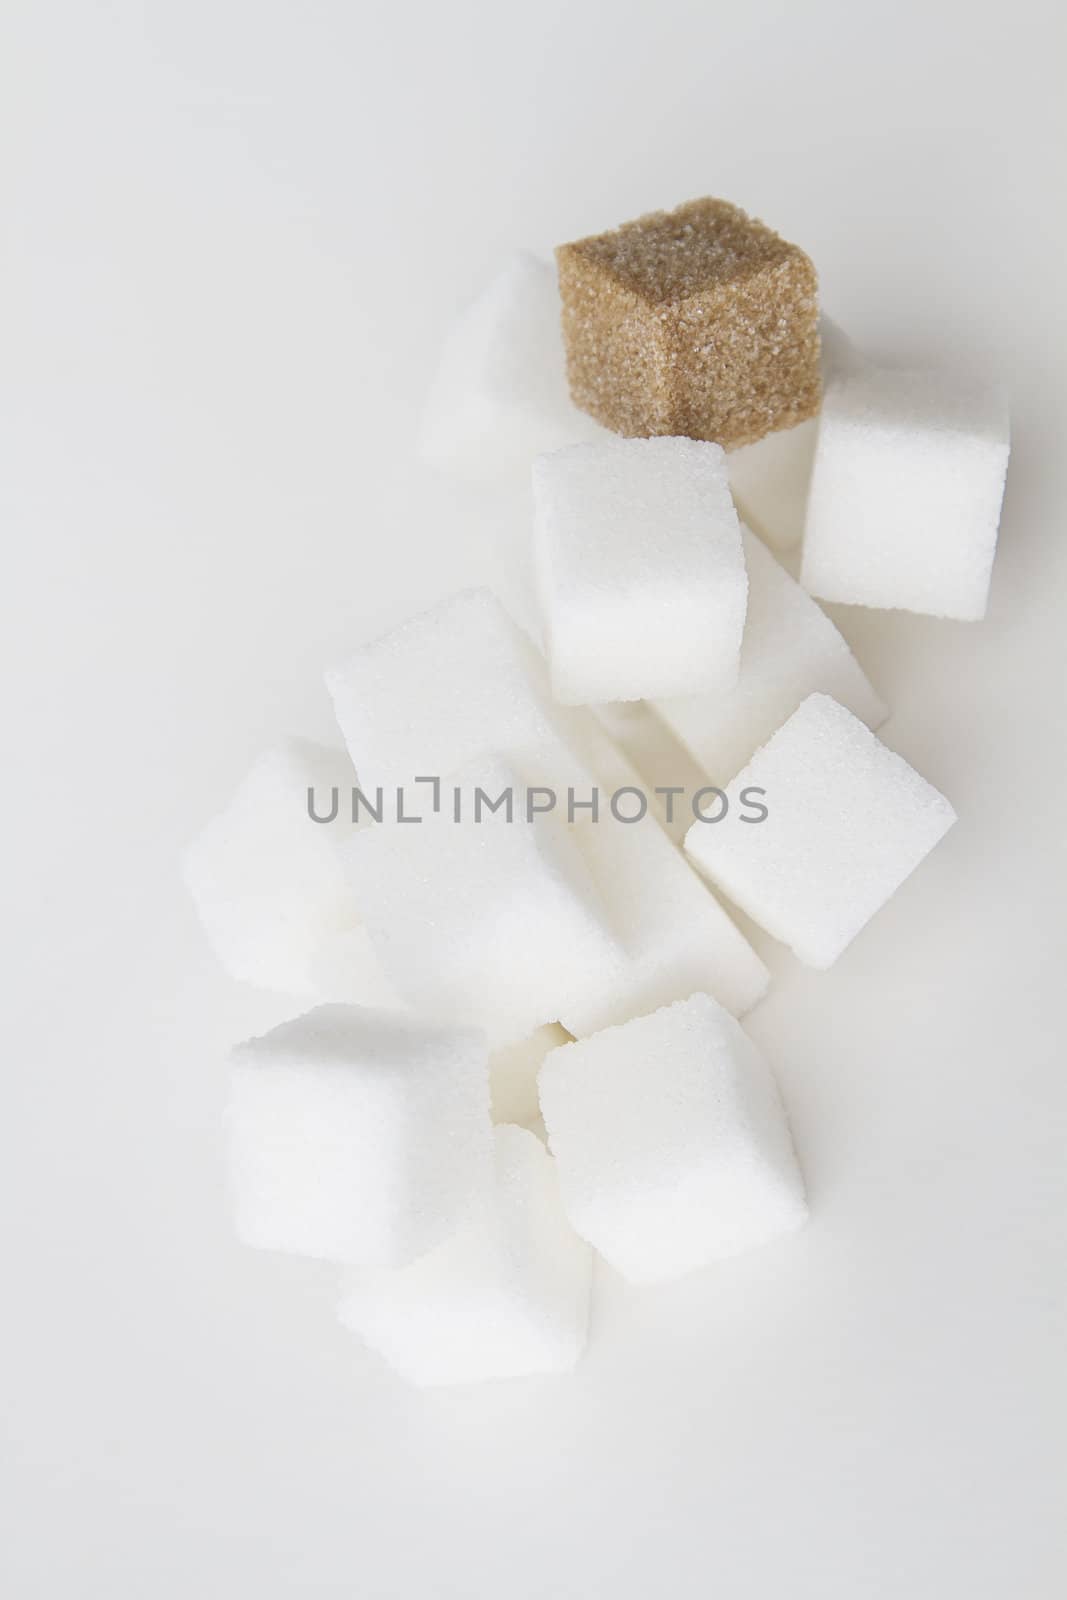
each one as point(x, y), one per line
point(671, 1142)
point(269, 886)
point(677, 937)
point(905, 493)
point(356, 1135)
point(513, 1077)
point(848, 821)
point(506, 1297)
point(491, 920)
point(500, 395)
point(640, 575)
point(790, 649)
point(451, 685)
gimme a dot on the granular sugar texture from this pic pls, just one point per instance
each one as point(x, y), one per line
point(698, 322)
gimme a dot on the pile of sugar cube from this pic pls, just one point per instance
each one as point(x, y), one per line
point(520, 1047)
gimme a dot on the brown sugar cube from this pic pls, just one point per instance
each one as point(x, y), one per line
point(698, 322)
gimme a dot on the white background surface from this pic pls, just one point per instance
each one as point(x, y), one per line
point(232, 234)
